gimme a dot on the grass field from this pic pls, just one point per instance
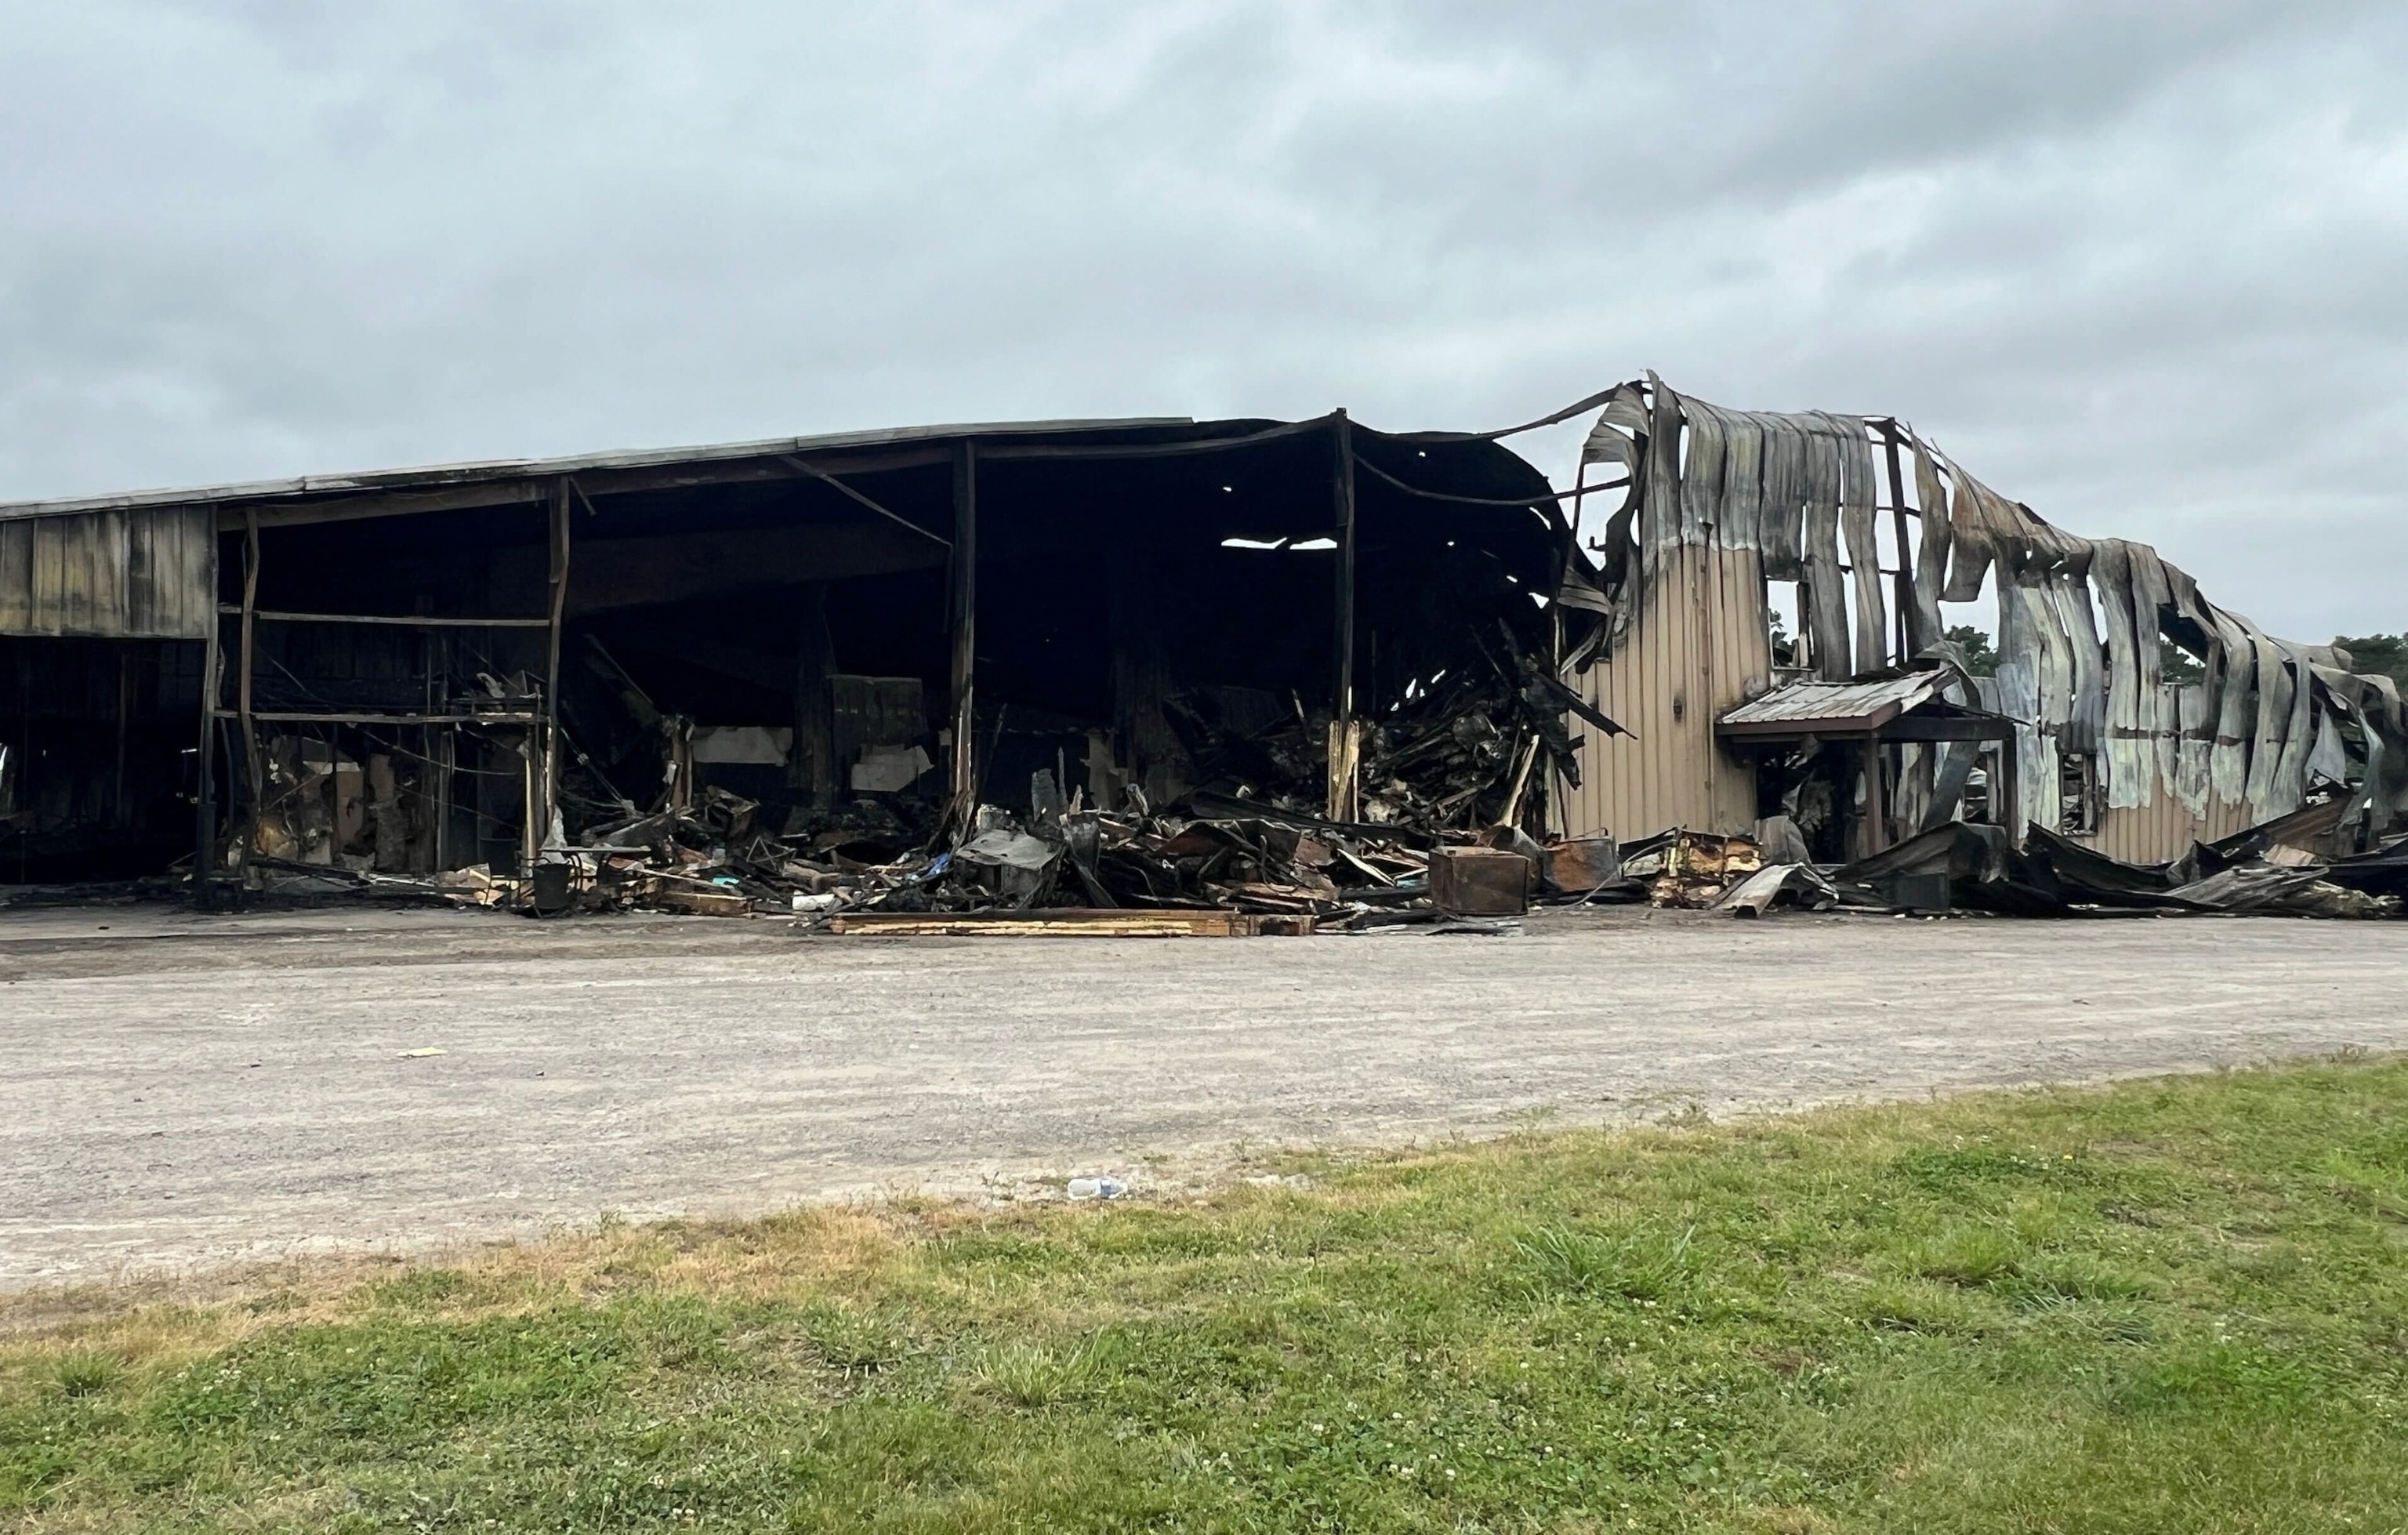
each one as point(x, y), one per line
point(2171, 1306)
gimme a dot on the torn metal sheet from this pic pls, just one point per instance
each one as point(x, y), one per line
point(2302, 892)
point(1780, 884)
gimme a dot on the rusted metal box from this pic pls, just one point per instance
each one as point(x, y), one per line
point(1479, 882)
point(1581, 864)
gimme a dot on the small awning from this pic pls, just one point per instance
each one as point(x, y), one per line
point(1909, 707)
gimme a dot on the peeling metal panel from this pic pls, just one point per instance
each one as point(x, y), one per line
point(1930, 551)
point(1827, 608)
point(2273, 696)
point(1785, 496)
point(2198, 741)
point(2132, 769)
point(1855, 452)
point(2156, 709)
point(2235, 711)
point(122, 574)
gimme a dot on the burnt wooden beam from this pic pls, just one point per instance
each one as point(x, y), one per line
point(422, 621)
point(813, 763)
point(205, 801)
point(806, 466)
point(1876, 797)
point(296, 716)
point(965, 668)
point(1344, 752)
point(254, 778)
point(561, 502)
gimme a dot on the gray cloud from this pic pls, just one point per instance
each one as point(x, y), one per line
point(2137, 265)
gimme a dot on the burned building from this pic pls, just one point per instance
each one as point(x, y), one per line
point(856, 638)
point(1161, 663)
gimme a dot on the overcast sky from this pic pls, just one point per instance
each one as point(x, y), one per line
point(2143, 267)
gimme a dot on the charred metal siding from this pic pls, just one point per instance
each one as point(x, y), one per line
point(1699, 647)
point(118, 574)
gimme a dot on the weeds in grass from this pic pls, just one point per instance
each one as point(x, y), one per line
point(1631, 1267)
point(1967, 1255)
point(1035, 1376)
point(852, 1343)
point(86, 1373)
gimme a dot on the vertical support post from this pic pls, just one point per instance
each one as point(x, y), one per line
point(205, 801)
point(530, 792)
point(2007, 798)
point(1905, 582)
point(444, 751)
point(965, 630)
point(254, 779)
point(1876, 798)
point(116, 817)
point(813, 760)
point(1344, 743)
point(1558, 819)
point(547, 734)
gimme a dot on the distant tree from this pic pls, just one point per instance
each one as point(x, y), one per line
point(1979, 659)
point(2177, 665)
point(2386, 653)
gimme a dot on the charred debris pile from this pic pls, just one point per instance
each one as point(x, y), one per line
point(1456, 765)
point(2289, 867)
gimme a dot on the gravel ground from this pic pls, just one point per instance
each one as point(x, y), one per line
point(179, 1092)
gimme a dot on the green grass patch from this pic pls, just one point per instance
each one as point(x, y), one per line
point(2168, 1305)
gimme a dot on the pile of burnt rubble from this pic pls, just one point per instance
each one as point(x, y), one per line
point(1445, 771)
point(1284, 871)
point(1297, 873)
point(1206, 853)
point(1447, 778)
point(2289, 867)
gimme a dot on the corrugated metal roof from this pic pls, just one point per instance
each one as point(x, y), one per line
point(1805, 703)
point(437, 475)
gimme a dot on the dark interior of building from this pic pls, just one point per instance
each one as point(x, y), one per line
point(1156, 612)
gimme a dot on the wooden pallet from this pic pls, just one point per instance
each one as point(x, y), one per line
point(1065, 922)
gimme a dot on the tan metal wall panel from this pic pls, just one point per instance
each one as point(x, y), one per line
point(1698, 648)
point(2164, 828)
point(121, 574)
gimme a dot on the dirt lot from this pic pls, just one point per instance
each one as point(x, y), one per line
point(178, 1091)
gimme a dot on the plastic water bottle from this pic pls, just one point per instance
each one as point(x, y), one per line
point(1096, 1188)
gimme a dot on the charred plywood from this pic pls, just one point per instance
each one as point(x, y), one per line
point(122, 574)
